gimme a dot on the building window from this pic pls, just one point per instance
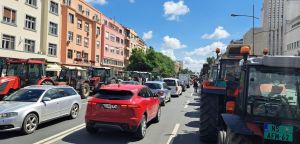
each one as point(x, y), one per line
point(52, 49)
point(112, 38)
point(9, 16)
point(79, 7)
point(85, 56)
point(122, 53)
point(118, 51)
point(71, 18)
point(79, 24)
point(70, 54)
point(31, 2)
point(122, 41)
point(54, 7)
point(106, 35)
point(68, 2)
point(29, 45)
point(78, 55)
point(53, 28)
point(87, 27)
point(70, 36)
point(98, 44)
point(30, 22)
point(120, 31)
point(112, 50)
point(106, 48)
point(78, 39)
point(105, 22)
point(86, 42)
point(98, 32)
point(8, 42)
point(97, 58)
point(87, 12)
point(117, 39)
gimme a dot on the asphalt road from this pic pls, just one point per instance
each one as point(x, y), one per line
point(179, 125)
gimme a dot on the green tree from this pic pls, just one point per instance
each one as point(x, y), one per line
point(210, 60)
point(139, 62)
point(186, 71)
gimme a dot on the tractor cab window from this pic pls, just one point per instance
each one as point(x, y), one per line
point(99, 73)
point(230, 70)
point(35, 72)
point(16, 69)
point(274, 92)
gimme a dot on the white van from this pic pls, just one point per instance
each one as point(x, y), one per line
point(174, 84)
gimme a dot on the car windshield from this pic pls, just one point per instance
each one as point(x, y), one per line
point(129, 82)
point(170, 82)
point(153, 85)
point(274, 92)
point(114, 95)
point(25, 95)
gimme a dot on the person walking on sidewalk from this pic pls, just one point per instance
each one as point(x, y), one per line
point(195, 86)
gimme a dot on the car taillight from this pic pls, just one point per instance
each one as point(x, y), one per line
point(161, 93)
point(129, 106)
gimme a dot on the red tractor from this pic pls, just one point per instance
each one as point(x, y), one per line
point(21, 73)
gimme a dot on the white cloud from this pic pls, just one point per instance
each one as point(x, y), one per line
point(147, 35)
point(173, 10)
point(193, 64)
point(170, 44)
point(132, 1)
point(101, 2)
point(206, 50)
point(219, 33)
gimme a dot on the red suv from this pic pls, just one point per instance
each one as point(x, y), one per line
point(124, 107)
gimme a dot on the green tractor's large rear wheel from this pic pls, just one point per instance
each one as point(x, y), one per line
point(209, 116)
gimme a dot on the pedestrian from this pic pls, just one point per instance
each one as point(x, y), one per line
point(195, 86)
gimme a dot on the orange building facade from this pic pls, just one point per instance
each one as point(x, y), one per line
point(80, 34)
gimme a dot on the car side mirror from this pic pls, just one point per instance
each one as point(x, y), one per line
point(46, 99)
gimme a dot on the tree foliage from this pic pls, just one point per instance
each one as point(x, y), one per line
point(186, 71)
point(151, 61)
point(210, 60)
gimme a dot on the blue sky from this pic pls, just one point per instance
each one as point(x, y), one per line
point(186, 30)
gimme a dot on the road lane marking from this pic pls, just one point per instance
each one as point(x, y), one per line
point(174, 133)
point(60, 135)
point(186, 104)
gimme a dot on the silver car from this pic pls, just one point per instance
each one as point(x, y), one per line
point(162, 89)
point(26, 108)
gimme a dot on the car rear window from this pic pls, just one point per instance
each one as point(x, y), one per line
point(114, 95)
point(153, 85)
point(170, 82)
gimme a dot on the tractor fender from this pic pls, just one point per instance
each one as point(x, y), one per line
point(236, 124)
point(39, 82)
point(8, 83)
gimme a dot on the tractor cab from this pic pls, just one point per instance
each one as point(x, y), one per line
point(267, 108)
point(21, 73)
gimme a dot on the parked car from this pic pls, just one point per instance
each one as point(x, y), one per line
point(130, 82)
point(28, 107)
point(162, 89)
point(183, 85)
point(124, 107)
point(174, 84)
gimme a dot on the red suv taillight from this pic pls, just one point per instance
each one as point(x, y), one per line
point(129, 106)
point(161, 93)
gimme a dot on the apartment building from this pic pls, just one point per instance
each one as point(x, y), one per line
point(29, 29)
point(113, 44)
point(81, 34)
point(130, 43)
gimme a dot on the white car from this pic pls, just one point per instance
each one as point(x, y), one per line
point(26, 108)
point(174, 84)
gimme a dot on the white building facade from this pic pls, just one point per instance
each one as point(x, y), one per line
point(260, 39)
point(25, 29)
point(292, 29)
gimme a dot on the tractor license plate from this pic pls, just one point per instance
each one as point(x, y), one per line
point(110, 106)
point(278, 132)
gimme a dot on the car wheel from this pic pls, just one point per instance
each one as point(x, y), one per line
point(30, 123)
point(142, 129)
point(170, 99)
point(90, 128)
point(74, 111)
point(157, 117)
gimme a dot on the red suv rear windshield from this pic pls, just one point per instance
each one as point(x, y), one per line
point(114, 95)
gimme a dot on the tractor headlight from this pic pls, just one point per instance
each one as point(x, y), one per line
point(3, 80)
point(8, 115)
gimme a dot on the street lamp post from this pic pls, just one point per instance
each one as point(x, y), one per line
point(253, 24)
